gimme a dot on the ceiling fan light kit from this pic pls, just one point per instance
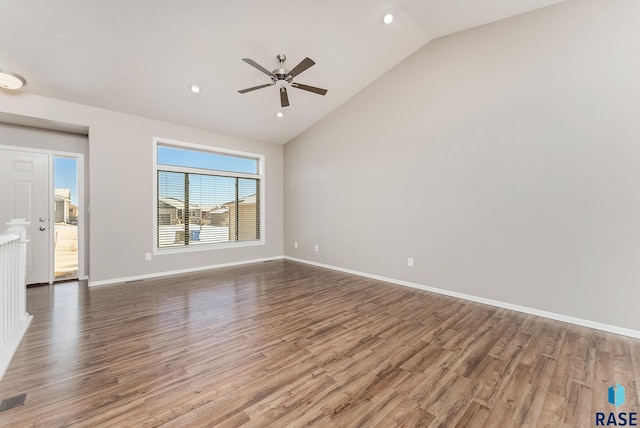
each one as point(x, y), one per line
point(11, 80)
point(283, 78)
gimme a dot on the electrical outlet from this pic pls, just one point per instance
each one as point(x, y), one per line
point(295, 244)
point(147, 256)
point(410, 262)
point(316, 247)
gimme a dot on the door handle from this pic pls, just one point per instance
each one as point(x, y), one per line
point(42, 228)
point(41, 220)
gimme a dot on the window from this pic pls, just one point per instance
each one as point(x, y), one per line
point(206, 197)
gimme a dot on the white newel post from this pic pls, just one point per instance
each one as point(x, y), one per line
point(14, 318)
point(19, 227)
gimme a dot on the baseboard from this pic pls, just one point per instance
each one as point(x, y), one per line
point(177, 272)
point(10, 348)
point(531, 311)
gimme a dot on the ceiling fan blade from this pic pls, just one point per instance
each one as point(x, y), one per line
point(284, 98)
point(313, 89)
point(256, 65)
point(244, 91)
point(304, 64)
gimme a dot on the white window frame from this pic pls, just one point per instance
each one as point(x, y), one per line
point(158, 141)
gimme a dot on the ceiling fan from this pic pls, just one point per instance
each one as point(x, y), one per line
point(283, 78)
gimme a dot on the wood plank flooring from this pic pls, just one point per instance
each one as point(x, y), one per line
point(283, 344)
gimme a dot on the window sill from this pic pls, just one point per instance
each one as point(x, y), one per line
point(206, 247)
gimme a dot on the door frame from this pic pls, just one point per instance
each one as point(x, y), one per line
point(82, 274)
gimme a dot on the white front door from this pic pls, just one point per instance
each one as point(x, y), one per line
point(24, 193)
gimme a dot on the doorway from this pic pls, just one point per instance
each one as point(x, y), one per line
point(46, 188)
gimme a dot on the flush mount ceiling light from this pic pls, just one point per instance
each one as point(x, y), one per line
point(194, 88)
point(10, 80)
point(387, 17)
point(279, 114)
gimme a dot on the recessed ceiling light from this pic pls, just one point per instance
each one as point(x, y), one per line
point(279, 114)
point(387, 17)
point(194, 88)
point(10, 80)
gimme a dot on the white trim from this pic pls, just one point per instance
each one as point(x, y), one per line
point(154, 193)
point(204, 148)
point(82, 259)
point(10, 348)
point(51, 224)
point(206, 247)
point(262, 200)
point(531, 311)
point(178, 271)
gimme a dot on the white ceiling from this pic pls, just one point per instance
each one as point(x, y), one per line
point(140, 56)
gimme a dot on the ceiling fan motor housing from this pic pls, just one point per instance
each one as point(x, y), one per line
point(281, 74)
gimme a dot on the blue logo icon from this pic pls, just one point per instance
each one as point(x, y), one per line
point(616, 395)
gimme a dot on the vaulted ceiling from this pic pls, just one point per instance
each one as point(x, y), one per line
point(140, 56)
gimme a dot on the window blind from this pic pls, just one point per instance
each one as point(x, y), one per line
point(196, 209)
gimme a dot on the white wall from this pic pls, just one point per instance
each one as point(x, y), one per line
point(504, 159)
point(121, 189)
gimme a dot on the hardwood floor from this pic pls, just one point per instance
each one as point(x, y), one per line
point(285, 344)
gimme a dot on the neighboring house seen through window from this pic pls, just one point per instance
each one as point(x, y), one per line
point(206, 197)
